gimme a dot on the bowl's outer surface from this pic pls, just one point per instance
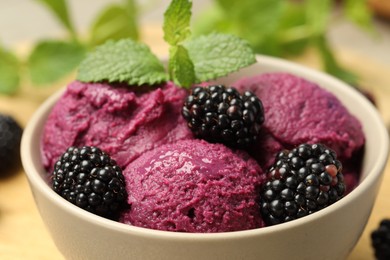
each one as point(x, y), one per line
point(328, 234)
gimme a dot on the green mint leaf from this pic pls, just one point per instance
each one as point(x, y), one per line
point(122, 61)
point(59, 9)
point(52, 60)
point(216, 55)
point(9, 72)
point(181, 67)
point(177, 22)
point(115, 22)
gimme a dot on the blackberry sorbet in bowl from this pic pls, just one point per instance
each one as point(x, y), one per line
point(274, 161)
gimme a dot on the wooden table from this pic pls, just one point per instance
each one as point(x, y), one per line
point(22, 232)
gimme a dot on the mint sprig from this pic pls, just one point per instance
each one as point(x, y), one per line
point(216, 55)
point(190, 60)
point(176, 30)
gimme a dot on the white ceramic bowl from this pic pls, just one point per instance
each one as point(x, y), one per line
point(328, 234)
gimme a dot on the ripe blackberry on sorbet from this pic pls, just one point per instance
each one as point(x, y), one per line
point(221, 114)
point(380, 240)
point(302, 181)
point(92, 180)
point(10, 136)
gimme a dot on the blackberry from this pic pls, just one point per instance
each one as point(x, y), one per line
point(301, 181)
point(10, 136)
point(90, 179)
point(380, 240)
point(220, 114)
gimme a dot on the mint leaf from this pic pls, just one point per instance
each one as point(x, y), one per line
point(114, 22)
point(177, 21)
point(60, 10)
point(122, 61)
point(176, 30)
point(52, 60)
point(181, 67)
point(217, 55)
point(9, 72)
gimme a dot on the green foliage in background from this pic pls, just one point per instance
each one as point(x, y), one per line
point(9, 72)
point(285, 28)
point(51, 60)
point(281, 28)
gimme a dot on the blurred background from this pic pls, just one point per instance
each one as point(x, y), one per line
point(43, 41)
point(39, 33)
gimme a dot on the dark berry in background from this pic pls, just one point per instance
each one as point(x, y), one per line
point(221, 114)
point(10, 136)
point(380, 239)
point(300, 182)
point(90, 179)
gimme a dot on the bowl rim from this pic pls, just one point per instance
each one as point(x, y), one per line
point(39, 183)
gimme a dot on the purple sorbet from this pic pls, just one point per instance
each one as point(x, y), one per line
point(299, 111)
point(123, 121)
point(194, 186)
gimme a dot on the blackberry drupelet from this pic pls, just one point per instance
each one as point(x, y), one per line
point(380, 240)
point(10, 136)
point(301, 181)
point(220, 114)
point(90, 179)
